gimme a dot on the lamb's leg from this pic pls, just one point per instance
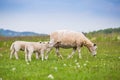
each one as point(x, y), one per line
point(37, 55)
point(47, 53)
point(42, 54)
point(58, 54)
point(12, 52)
point(26, 56)
point(73, 52)
point(29, 56)
point(79, 53)
point(16, 55)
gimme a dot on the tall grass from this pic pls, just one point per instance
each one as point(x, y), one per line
point(105, 66)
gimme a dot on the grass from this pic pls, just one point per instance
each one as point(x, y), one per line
point(105, 66)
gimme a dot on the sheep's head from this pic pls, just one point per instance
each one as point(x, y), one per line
point(93, 49)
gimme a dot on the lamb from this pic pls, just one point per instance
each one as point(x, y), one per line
point(71, 39)
point(40, 48)
point(17, 46)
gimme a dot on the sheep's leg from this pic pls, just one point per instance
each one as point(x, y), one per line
point(16, 55)
point(79, 52)
point(73, 52)
point(42, 54)
point(47, 53)
point(58, 54)
point(11, 54)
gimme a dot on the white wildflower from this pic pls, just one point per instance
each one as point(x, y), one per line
point(118, 57)
point(13, 69)
point(28, 63)
point(64, 65)
point(76, 60)
point(0, 78)
point(78, 66)
point(77, 63)
point(87, 61)
point(50, 76)
point(55, 68)
point(1, 55)
point(104, 64)
point(84, 64)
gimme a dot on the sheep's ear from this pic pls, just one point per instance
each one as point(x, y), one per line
point(40, 42)
point(58, 42)
point(94, 44)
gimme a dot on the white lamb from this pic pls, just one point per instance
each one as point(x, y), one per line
point(17, 46)
point(40, 48)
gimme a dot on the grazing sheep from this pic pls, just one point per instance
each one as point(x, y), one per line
point(40, 48)
point(17, 46)
point(71, 39)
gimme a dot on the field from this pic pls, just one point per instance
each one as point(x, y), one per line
point(105, 66)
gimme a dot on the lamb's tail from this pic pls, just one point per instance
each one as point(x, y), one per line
point(12, 46)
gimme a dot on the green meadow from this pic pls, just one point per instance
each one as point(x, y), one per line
point(105, 66)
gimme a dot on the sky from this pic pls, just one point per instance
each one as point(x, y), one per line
point(46, 16)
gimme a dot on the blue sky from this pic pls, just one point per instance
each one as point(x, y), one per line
point(45, 16)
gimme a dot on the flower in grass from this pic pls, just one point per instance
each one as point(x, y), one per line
point(78, 66)
point(118, 57)
point(0, 78)
point(86, 61)
point(1, 55)
point(50, 76)
point(85, 64)
point(28, 63)
point(77, 63)
point(76, 60)
point(64, 65)
point(55, 68)
point(13, 69)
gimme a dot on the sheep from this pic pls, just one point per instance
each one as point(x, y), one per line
point(71, 39)
point(40, 48)
point(17, 46)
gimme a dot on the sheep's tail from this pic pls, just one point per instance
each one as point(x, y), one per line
point(12, 47)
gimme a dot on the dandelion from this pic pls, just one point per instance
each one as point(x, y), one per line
point(87, 61)
point(76, 60)
point(0, 78)
point(55, 68)
point(1, 55)
point(84, 64)
point(104, 64)
point(50, 76)
point(13, 69)
point(77, 63)
point(118, 57)
point(28, 63)
point(64, 65)
point(96, 65)
point(78, 66)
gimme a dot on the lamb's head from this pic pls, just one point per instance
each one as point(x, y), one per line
point(92, 49)
point(48, 44)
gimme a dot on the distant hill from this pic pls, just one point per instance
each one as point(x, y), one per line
point(107, 31)
point(11, 33)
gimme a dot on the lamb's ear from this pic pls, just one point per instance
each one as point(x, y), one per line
point(40, 42)
point(94, 44)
